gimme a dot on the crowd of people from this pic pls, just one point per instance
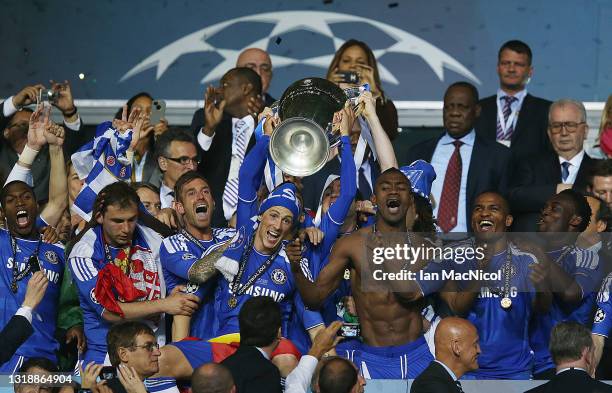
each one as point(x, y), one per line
point(144, 257)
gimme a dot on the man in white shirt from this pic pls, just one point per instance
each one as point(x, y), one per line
point(537, 179)
point(176, 154)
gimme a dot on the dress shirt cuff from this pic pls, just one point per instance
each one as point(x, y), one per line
point(25, 312)
point(204, 140)
point(74, 125)
point(299, 379)
point(21, 173)
point(8, 107)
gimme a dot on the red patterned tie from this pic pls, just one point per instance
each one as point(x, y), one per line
point(449, 200)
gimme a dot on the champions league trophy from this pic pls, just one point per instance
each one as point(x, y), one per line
point(301, 143)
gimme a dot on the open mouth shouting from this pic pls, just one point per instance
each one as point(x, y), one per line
point(22, 218)
point(393, 205)
point(201, 211)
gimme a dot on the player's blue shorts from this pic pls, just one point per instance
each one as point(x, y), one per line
point(197, 352)
point(405, 361)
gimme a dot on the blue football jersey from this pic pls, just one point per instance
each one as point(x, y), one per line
point(583, 266)
point(277, 282)
point(44, 317)
point(177, 255)
point(504, 333)
point(602, 323)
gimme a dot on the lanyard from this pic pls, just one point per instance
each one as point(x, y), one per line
point(500, 117)
point(195, 241)
point(32, 259)
point(233, 301)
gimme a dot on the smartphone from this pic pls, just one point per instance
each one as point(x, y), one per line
point(34, 264)
point(350, 330)
point(349, 77)
point(107, 373)
point(158, 111)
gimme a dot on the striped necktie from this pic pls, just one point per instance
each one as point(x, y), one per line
point(230, 194)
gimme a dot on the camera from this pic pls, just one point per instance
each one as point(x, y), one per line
point(108, 373)
point(349, 77)
point(49, 95)
point(350, 330)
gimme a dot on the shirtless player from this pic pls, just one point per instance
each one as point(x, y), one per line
point(391, 324)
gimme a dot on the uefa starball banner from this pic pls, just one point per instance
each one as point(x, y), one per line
point(173, 49)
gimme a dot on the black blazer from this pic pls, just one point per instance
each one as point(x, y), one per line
point(530, 135)
point(252, 372)
point(488, 171)
point(215, 163)
point(434, 379)
point(534, 181)
point(15, 333)
point(571, 381)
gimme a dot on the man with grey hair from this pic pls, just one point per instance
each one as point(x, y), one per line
point(537, 179)
point(572, 351)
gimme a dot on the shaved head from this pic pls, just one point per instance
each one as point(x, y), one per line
point(259, 61)
point(457, 346)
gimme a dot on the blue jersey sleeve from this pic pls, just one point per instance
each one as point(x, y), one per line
point(85, 275)
point(334, 218)
point(588, 271)
point(602, 324)
point(176, 258)
point(250, 176)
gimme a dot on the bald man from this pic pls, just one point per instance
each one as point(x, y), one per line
point(212, 378)
point(259, 61)
point(457, 351)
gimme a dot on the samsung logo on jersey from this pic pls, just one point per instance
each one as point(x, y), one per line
point(485, 292)
point(256, 290)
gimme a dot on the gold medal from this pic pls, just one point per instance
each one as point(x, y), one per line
point(232, 302)
point(14, 286)
point(506, 303)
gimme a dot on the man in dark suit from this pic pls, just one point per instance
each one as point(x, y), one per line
point(514, 117)
point(457, 352)
point(572, 351)
point(535, 180)
point(472, 166)
point(225, 133)
point(19, 327)
point(260, 334)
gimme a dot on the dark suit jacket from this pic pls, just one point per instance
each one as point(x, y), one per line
point(530, 136)
point(215, 164)
point(488, 171)
point(572, 381)
point(434, 379)
point(252, 372)
point(15, 333)
point(534, 181)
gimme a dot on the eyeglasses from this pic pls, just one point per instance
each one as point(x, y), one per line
point(570, 126)
point(185, 160)
point(150, 347)
point(263, 68)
